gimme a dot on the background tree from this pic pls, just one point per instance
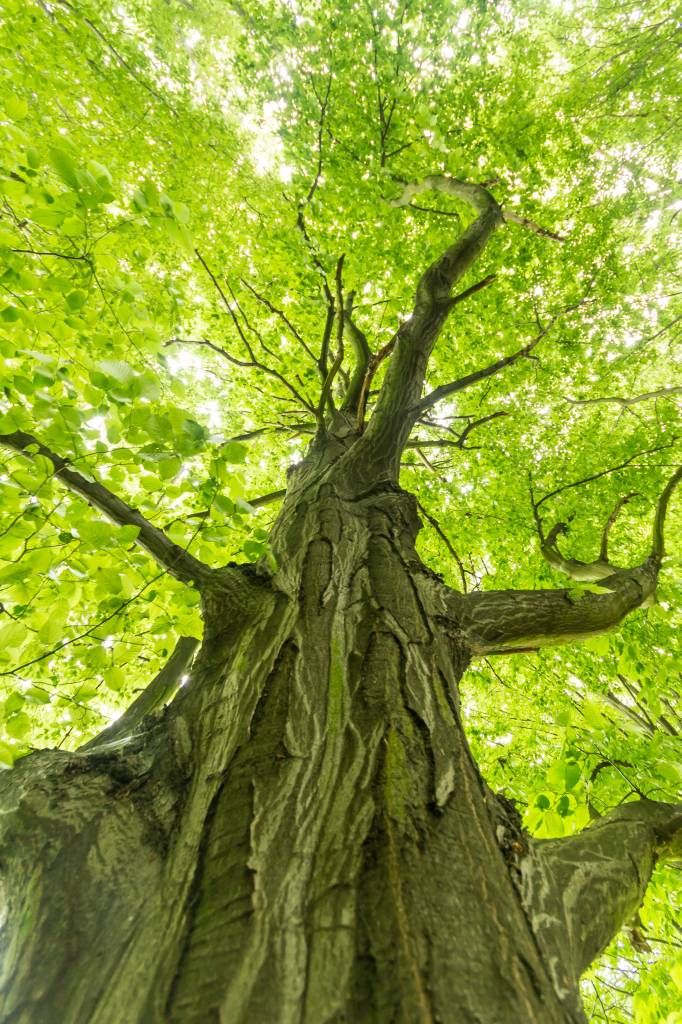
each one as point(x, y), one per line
point(217, 228)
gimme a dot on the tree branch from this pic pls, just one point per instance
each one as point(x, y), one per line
point(176, 560)
point(620, 504)
point(579, 891)
point(154, 696)
point(363, 355)
point(380, 447)
point(625, 403)
point(445, 390)
point(513, 620)
point(508, 621)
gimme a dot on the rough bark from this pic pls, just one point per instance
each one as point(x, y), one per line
point(302, 836)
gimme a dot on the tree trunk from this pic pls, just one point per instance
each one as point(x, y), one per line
point(302, 836)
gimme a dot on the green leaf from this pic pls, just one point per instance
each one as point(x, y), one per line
point(18, 726)
point(65, 167)
point(115, 679)
point(76, 300)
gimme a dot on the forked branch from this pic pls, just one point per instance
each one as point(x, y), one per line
point(378, 451)
point(505, 621)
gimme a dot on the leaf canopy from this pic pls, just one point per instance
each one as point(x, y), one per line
point(177, 185)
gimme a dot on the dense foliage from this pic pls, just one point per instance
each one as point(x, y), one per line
point(178, 181)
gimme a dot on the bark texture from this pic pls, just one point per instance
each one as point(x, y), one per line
point(302, 835)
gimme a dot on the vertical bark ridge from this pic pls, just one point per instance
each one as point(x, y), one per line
point(326, 852)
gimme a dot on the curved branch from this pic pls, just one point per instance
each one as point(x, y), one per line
point(509, 621)
point(620, 504)
point(176, 560)
point(378, 451)
point(624, 403)
point(505, 621)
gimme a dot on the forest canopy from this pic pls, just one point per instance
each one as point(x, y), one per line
point(188, 190)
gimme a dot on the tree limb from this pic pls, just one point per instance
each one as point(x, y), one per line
point(512, 620)
point(579, 891)
point(153, 697)
point(179, 563)
point(620, 504)
point(380, 447)
point(625, 403)
point(445, 390)
point(508, 621)
point(363, 355)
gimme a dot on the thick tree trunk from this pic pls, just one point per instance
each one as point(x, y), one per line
point(302, 836)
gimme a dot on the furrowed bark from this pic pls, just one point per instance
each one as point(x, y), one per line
point(292, 840)
point(504, 621)
point(179, 563)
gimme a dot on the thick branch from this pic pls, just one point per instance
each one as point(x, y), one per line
point(504, 621)
point(395, 411)
point(176, 560)
point(513, 620)
point(153, 697)
point(579, 891)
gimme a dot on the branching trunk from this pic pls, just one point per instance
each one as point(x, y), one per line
point(302, 836)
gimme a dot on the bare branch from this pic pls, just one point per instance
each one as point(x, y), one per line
point(263, 299)
point(448, 544)
point(251, 362)
point(326, 393)
point(526, 222)
point(598, 475)
point(461, 438)
point(445, 390)
point(657, 541)
point(176, 560)
point(625, 403)
point(154, 696)
point(620, 504)
point(443, 183)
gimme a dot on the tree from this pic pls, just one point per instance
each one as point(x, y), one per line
point(442, 270)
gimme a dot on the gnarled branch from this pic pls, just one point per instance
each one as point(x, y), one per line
point(506, 621)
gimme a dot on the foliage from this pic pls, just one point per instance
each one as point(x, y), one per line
point(177, 184)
